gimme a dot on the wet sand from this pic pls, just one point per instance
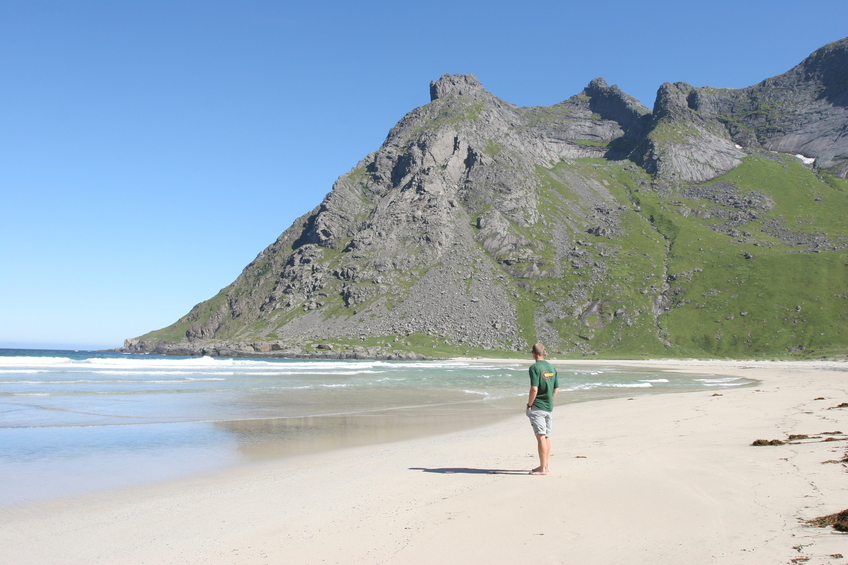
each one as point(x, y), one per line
point(667, 478)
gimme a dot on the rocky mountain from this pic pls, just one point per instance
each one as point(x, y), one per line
point(713, 224)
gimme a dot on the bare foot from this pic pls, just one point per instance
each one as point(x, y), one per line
point(539, 471)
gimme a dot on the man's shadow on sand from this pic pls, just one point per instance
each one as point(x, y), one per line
point(469, 471)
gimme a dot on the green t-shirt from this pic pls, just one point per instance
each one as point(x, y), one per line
point(544, 376)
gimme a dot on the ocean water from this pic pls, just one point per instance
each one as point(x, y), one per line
point(77, 422)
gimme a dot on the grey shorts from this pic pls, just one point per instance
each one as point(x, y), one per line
point(541, 421)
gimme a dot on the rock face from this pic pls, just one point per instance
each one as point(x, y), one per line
point(684, 145)
point(803, 111)
point(479, 225)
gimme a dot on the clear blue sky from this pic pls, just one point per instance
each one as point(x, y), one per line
point(149, 150)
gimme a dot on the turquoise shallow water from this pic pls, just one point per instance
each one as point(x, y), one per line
point(75, 422)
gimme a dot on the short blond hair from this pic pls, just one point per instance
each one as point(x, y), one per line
point(539, 350)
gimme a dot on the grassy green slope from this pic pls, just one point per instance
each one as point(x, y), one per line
point(757, 295)
point(737, 293)
point(609, 288)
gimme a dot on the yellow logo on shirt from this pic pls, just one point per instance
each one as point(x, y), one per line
point(547, 375)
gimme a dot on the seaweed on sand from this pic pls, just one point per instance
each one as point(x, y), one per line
point(839, 521)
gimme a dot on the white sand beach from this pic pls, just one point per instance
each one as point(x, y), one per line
point(650, 479)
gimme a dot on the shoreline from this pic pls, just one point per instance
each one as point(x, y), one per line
point(678, 363)
point(669, 477)
point(167, 449)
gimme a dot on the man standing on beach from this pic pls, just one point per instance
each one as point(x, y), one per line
point(544, 386)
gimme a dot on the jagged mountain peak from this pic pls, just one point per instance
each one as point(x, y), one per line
point(611, 103)
point(457, 85)
point(826, 69)
point(673, 99)
point(599, 89)
point(698, 133)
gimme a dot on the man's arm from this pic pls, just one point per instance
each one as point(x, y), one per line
point(531, 396)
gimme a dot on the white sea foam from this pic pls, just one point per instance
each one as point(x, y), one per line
point(721, 381)
point(718, 380)
point(30, 382)
point(591, 386)
point(114, 381)
point(206, 365)
point(32, 361)
point(185, 366)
